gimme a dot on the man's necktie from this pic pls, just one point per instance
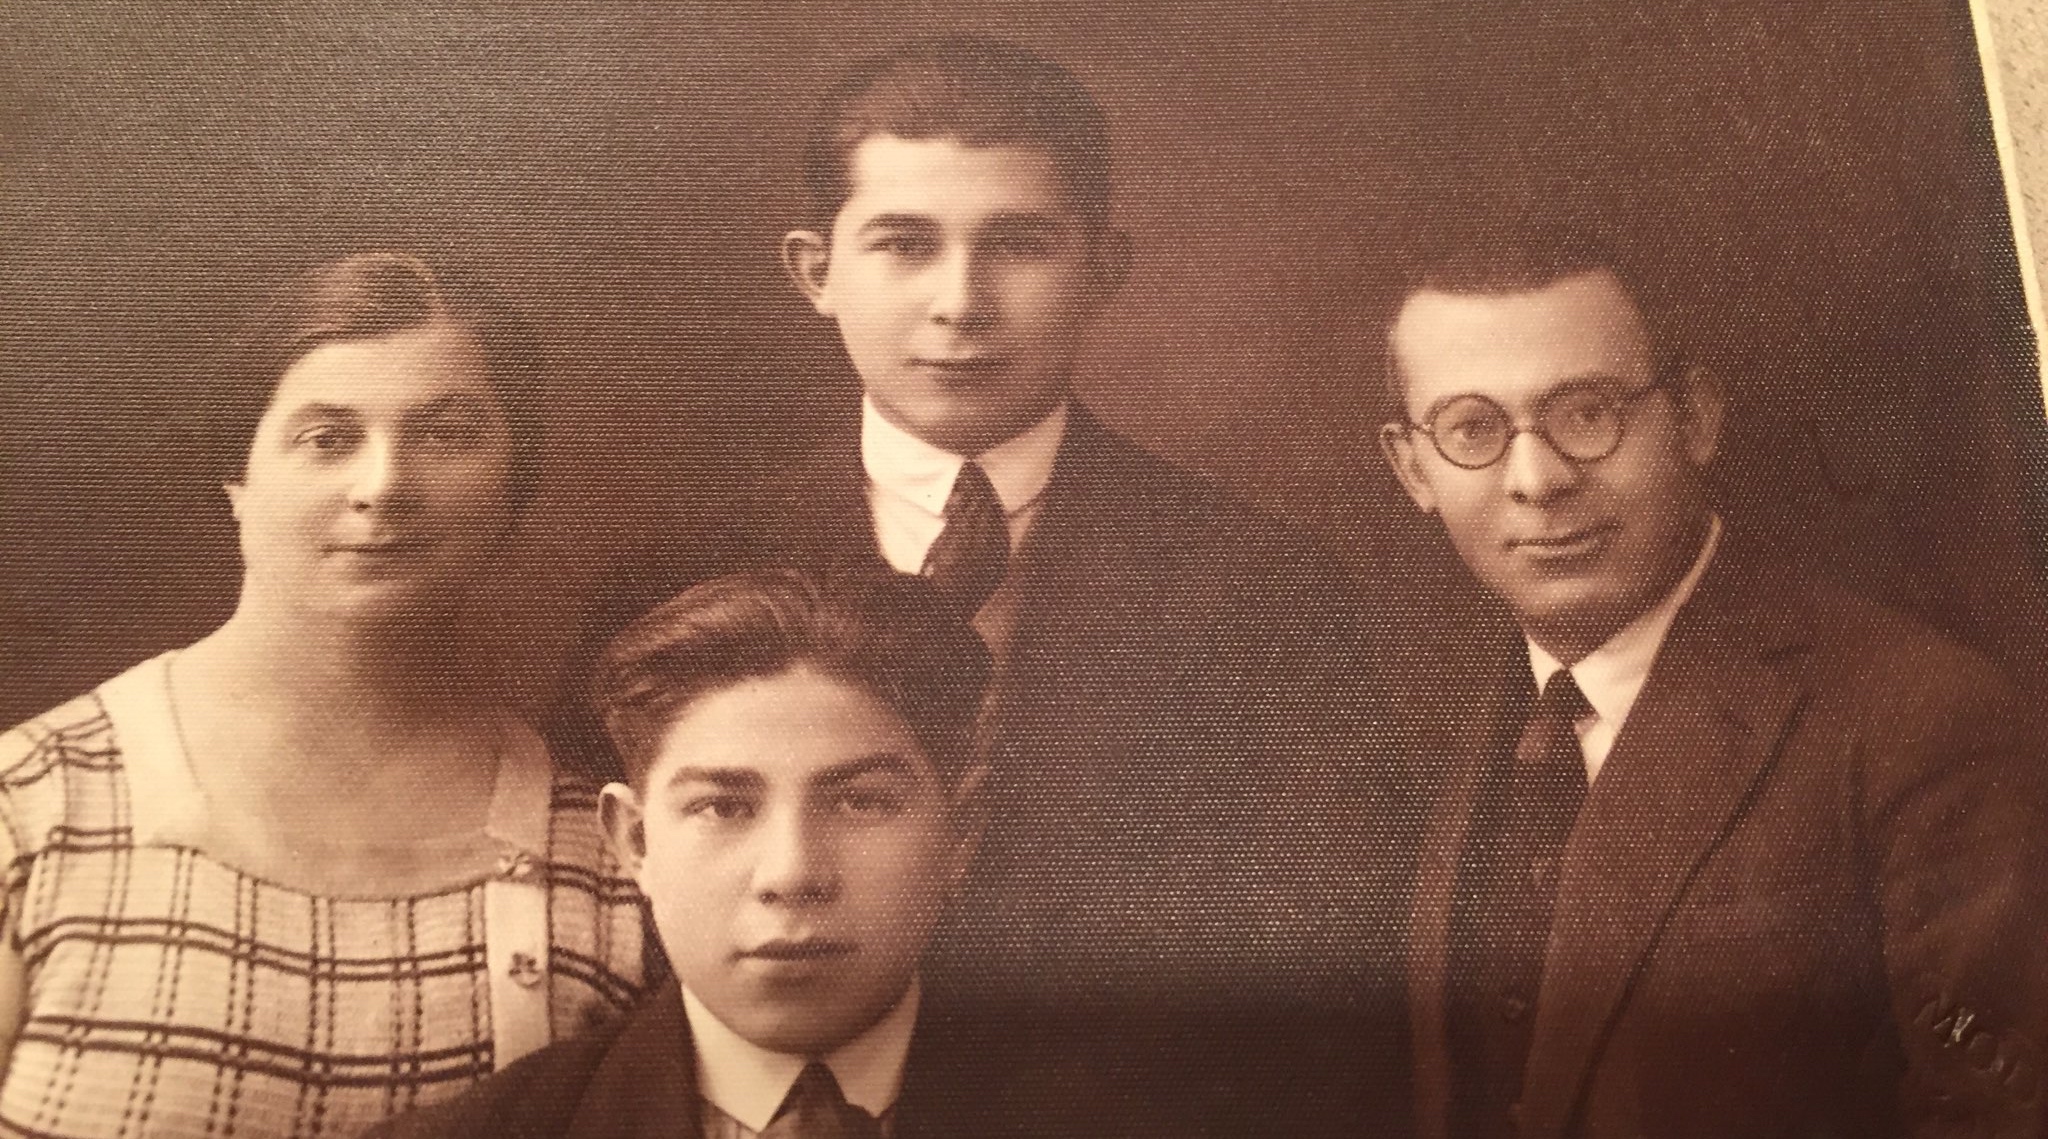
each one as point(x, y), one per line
point(815, 1109)
point(972, 553)
point(1549, 783)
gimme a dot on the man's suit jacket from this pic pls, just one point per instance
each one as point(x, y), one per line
point(1188, 738)
point(1804, 896)
point(964, 1079)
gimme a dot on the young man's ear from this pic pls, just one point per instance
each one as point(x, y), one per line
point(1397, 443)
point(234, 493)
point(1109, 264)
point(807, 258)
point(1702, 405)
point(625, 825)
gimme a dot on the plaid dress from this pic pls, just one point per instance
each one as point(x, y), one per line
point(163, 993)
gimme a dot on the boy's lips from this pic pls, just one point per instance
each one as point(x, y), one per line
point(804, 949)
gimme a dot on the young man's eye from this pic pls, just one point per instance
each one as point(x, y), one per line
point(871, 804)
point(454, 433)
point(1023, 245)
point(904, 245)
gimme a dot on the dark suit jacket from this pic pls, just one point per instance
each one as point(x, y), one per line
point(1188, 740)
point(638, 1080)
point(1804, 897)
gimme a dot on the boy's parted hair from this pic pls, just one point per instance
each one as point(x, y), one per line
point(982, 92)
point(364, 296)
point(892, 636)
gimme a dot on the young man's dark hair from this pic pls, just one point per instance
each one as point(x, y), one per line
point(982, 92)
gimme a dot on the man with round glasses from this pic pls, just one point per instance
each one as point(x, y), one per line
point(1717, 849)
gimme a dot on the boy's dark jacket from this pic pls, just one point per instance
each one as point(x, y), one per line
point(965, 1077)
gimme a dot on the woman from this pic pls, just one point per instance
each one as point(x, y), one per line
point(311, 871)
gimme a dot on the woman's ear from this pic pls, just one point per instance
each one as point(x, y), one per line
point(625, 825)
point(807, 258)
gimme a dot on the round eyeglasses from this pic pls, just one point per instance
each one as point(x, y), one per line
point(1584, 423)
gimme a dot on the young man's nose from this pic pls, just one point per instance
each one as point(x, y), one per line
point(960, 290)
point(1534, 470)
point(794, 862)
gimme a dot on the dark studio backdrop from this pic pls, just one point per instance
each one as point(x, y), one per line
point(1817, 178)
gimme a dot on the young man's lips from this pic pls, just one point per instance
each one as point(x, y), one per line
point(963, 364)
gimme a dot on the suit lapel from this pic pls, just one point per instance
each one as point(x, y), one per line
point(823, 522)
point(1466, 736)
point(646, 1085)
point(1701, 737)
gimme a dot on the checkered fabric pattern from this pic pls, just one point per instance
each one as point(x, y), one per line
point(171, 995)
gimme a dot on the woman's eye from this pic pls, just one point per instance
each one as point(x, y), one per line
point(325, 438)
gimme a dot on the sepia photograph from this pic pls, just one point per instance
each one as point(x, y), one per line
point(947, 568)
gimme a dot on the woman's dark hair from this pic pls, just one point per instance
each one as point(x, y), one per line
point(367, 295)
point(890, 635)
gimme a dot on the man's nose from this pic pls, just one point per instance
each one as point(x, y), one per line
point(960, 292)
point(794, 862)
point(1533, 470)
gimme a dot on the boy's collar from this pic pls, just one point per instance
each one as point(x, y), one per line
point(749, 1082)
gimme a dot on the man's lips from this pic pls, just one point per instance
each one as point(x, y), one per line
point(961, 364)
point(388, 546)
point(806, 949)
point(1570, 542)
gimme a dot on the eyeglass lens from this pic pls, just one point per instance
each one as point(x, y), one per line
point(1583, 423)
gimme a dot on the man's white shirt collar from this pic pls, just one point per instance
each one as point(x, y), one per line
point(918, 473)
point(749, 1082)
point(1613, 675)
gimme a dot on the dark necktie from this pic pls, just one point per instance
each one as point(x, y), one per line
point(968, 560)
point(815, 1109)
point(1506, 931)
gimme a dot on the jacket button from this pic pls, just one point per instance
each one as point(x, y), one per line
point(1517, 1118)
point(1514, 1007)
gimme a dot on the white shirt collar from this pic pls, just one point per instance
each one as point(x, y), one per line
point(749, 1082)
point(1613, 675)
point(919, 473)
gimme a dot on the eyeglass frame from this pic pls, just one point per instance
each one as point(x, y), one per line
point(1665, 379)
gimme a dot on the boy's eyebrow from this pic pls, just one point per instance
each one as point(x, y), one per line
point(320, 411)
point(1022, 220)
point(731, 778)
point(886, 763)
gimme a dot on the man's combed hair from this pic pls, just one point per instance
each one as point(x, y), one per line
point(1494, 255)
point(889, 635)
point(365, 296)
point(981, 92)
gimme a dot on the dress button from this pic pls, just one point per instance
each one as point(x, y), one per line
point(524, 970)
point(517, 865)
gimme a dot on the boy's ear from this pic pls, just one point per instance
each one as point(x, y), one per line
point(1110, 264)
point(968, 810)
point(1397, 443)
point(807, 258)
point(625, 825)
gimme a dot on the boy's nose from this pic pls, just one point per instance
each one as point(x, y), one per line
point(794, 865)
point(960, 296)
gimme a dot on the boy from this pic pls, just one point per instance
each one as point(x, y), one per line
point(801, 801)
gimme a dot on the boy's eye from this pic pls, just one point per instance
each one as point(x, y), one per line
point(450, 431)
point(724, 808)
point(1023, 244)
point(905, 245)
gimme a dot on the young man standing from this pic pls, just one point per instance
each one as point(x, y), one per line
point(1722, 850)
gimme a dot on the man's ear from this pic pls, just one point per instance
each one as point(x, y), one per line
point(625, 825)
point(967, 808)
point(807, 258)
point(1397, 443)
point(1109, 264)
point(1702, 407)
